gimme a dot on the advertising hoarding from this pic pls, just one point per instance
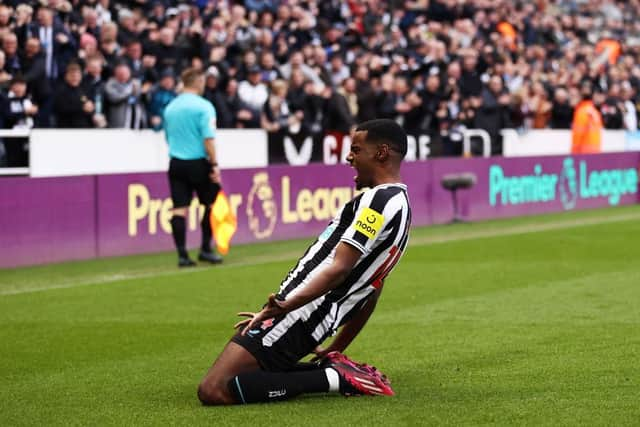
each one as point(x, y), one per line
point(55, 219)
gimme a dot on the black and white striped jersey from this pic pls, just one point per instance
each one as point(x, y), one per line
point(376, 222)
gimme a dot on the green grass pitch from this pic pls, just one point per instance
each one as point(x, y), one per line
point(531, 321)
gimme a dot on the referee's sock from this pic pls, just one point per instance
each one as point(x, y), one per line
point(262, 386)
point(205, 226)
point(179, 232)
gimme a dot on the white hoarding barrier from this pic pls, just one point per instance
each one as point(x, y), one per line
point(57, 152)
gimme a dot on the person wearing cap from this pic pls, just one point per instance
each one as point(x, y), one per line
point(190, 129)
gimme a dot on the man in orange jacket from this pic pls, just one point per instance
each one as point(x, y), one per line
point(587, 125)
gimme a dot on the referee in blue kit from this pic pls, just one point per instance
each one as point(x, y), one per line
point(190, 127)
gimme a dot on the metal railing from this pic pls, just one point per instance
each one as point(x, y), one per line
point(466, 142)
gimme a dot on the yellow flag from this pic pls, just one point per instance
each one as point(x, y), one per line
point(223, 222)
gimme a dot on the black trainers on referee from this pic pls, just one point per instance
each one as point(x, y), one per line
point(185, 262)
point(210, 257)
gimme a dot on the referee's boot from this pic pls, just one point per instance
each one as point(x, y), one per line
point(210, 257)
point(185, 262)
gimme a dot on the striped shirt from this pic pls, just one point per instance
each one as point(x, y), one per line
point(376, 222)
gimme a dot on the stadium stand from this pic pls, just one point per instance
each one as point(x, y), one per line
point(435, 66)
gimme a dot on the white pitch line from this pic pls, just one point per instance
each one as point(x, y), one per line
point(418, 241)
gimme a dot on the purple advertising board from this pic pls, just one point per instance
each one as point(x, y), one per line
point(56, 219)
point(46, 220)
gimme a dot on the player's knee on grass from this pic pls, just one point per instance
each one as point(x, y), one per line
point(214, 394)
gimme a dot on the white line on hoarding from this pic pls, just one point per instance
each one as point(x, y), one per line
point(285, 256)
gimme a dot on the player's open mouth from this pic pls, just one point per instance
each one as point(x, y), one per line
point(355, 177)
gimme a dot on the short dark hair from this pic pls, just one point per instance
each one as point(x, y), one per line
point(73, 66)
point(18, 79)
point(385, 131)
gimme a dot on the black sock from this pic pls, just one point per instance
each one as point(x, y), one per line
point(304, 366)
point(179, 232)
point(206, 230)
point(261, 386)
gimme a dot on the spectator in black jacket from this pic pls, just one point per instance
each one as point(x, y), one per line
point(91, 24)
point(127, 31)
point(214, 93)
point(168, 54)
point(494, 113)
point(242, 114)
point(12, 63)
point(296, 94)
point(561, 110)
point(612, 109)
point(73, 106)
point(93, 86)
point(109, 46)
point(133, 57)
point(337, 117)
point(386, 99)
point(313, 111)
point(23, 24)
point(92, 79)
point(34, 68)
point(431, 98)
point(366, 95)
point(407, 106)
point(470, 83)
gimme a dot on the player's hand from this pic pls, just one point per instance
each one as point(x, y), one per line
point(272, 309)
point(243, 323)
point(320, 352)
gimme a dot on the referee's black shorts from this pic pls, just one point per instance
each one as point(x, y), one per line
point(187, 176)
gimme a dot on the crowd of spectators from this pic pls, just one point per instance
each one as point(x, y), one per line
point(318, 66)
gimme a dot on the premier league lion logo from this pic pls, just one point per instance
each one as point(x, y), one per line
point(568, 184)
point(262, 209)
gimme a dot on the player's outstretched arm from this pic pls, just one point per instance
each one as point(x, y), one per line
point(330, 278)
point(352, 328)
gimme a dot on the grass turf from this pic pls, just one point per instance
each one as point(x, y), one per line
point(525, 321)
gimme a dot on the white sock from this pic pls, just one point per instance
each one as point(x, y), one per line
point(333, 379)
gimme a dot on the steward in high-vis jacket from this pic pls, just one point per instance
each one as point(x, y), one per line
point(586, 126)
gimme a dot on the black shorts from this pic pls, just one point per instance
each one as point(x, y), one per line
point(187, 176)
point(282, 355)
